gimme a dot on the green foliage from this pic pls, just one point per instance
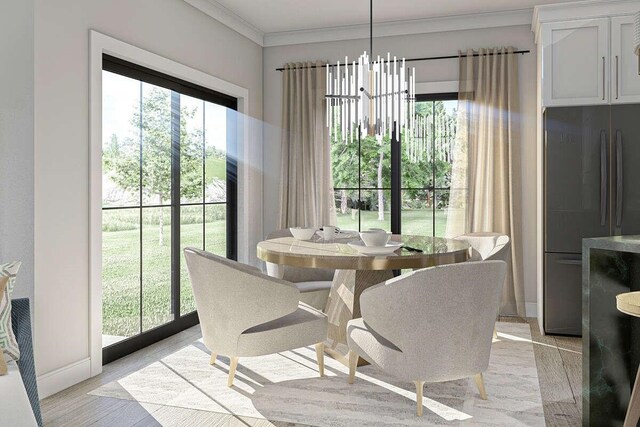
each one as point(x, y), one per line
point(122, 158)
point(427, 171)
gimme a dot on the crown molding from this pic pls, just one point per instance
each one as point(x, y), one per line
point(400, 28)
point(586, 9)
point(229, 18)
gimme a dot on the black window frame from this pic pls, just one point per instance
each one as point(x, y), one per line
point(178, 86)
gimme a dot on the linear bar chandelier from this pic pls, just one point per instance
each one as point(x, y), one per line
point(377, 95)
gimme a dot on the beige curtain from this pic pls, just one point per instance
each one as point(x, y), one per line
point(488, 158)
point(306, 193)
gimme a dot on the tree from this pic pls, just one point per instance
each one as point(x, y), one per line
point(122, 159)
point(418, 171)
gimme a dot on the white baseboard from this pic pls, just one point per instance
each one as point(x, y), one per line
point(531, 309)
point(55, 381)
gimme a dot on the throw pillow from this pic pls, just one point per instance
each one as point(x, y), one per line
point(8, 343)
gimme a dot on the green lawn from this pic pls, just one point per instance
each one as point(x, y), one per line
point(417, 222)
point(121, 267)
point(121, 293)
point(216, 167)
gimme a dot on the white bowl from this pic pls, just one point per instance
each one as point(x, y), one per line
point(375, 237)
point(300, 233)
point(388, 249)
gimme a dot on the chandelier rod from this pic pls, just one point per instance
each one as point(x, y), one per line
point(371, 28)
point(429, 58)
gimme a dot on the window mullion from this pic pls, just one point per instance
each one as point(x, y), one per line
point(175, 204)
point(140, 204)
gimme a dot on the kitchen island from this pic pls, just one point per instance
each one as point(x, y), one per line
point(611, 339)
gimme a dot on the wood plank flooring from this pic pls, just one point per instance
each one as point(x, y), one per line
point(558, 360)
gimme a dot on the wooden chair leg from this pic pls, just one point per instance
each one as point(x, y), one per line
point(419, 394)
point(320, 357)
point(480, 385)
point(633, 410)
point(353, 362)
point(495, 333)
point(213, 359)
point(233, 364)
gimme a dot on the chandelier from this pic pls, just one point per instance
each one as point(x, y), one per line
point(376, 96)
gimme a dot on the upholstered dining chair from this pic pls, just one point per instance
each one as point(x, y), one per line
point(314, 283)
point(245, 313)
point(487, 246)
point(430, 325)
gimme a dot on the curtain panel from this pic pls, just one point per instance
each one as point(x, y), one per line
point(306, 190)
point(487, 176)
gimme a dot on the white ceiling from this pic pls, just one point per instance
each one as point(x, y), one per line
point(270, 16)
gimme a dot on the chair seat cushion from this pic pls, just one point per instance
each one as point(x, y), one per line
point(303, 327)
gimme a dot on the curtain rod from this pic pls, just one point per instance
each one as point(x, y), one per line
point(429, 58)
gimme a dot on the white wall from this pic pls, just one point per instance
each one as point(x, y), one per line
point(413, 46)
point(170, 28)
point(16, 140)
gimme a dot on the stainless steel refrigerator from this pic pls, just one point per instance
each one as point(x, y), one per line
point(592, 189)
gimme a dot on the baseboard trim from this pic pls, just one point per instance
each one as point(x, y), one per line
point(531, 309)
point(62, 378)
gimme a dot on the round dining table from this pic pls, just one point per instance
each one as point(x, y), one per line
point(356, 272)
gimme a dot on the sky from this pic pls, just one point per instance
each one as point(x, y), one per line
point(121, 99)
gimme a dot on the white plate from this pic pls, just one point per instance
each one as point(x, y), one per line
point(343, 234)
point(390, 248)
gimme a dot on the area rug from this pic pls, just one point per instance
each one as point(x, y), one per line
point(285, 387)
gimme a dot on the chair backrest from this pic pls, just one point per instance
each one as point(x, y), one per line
point(488, 246)
point(441, 318)
point(298, 274)
point(232, 297)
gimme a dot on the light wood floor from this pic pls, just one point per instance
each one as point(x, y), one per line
point(558, 360)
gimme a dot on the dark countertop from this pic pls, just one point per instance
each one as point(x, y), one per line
point(613, 243)
point(610, 339)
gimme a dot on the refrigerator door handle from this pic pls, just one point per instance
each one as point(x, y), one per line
point(603, 178)
point(569, 261)
point(619, 179)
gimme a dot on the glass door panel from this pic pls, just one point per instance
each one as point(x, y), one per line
point(427, 165)
point(156, 267)
point(215, 229)
point(362, 172)
point(347, 212)
point(191, 235)
point(120, 274)
point(168, 183)
point(417, 212)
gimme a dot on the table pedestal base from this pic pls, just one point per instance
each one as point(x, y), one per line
point(344, 304)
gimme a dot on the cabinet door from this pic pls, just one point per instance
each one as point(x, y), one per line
point(576, 176)
point(625, 122)
point(575, 68)
point(625, 83)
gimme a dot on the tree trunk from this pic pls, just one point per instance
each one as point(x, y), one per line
point(161, 223)
point(380, 192)
point(343, 202)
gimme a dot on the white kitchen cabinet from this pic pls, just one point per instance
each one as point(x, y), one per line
point(575, 62)
point(625, 80)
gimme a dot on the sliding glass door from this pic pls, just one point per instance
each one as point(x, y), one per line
point(362, 172)
point(169, 181)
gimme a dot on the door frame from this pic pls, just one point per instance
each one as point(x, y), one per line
point(248, 219)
